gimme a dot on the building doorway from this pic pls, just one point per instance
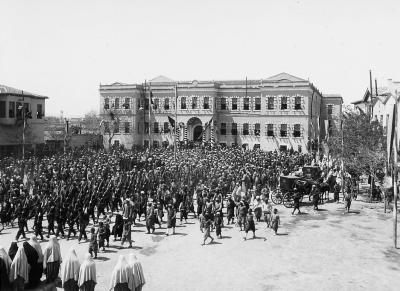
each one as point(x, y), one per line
point(197, 132)
point(194, 129)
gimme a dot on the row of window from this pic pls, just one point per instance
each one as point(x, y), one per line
point(271, 129)
point(16, 109)
point(284, 101)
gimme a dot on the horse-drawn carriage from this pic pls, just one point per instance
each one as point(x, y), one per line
point(285, 192)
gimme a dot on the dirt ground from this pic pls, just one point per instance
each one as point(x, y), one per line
point(317, 250)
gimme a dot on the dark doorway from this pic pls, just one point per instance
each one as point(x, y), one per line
point(197, 132)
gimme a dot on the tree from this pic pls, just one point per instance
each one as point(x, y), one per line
point(91, 123)
point(364, 144)
point(109, 126)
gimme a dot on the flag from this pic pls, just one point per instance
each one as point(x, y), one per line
point(391, 130)
point(208, 123)
point(326, 130)
point(171, 121)
point(151, 99)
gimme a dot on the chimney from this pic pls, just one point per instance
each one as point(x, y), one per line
point(376, 87)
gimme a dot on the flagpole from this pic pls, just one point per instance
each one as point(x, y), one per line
point(395, 178)
point(176, 119)
point(144, 111)
point(342, 166)
point(24, 125)
point(149, 116)
point(319, 129)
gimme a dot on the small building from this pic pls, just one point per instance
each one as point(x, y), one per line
point(379, 104)
point(21, 120)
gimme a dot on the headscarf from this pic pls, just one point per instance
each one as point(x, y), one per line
point(5, 258)
point(137, 270)
point(31, 254)
point(19, 266)
point(70, 267)
point(121, 273)
point(13, 250)
point(33, 242)
point(51, 252)
point(87, 270)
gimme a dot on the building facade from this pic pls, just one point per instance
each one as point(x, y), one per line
point(16, 108)
point(379, 104)
point(280, 112)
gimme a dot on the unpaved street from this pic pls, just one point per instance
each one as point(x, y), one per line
point(323, 250)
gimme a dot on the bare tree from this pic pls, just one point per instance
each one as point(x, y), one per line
point(109, 126)
point(91, 122)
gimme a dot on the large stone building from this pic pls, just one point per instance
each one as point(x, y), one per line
point(280, 112)
point(15, 106)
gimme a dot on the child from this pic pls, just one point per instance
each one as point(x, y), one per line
point(107, 222)
point(118, 227)
point(207, 228)
point(267, 211)
point(126, 235)
point(171, 219)
point(250, 224)
point(101, 231)
point(275, 221)
point(93, 243)
point(347, 201)
point(218, 224)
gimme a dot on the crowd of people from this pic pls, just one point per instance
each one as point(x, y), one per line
point(107, 193)
point(23, 266)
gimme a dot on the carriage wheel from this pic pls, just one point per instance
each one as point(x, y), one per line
point(288, 200)
point(276, 196)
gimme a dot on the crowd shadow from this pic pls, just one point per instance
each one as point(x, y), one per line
point(116, 247)
point(226, 237)
point(214, 243)
point(180, 233)
point(104, 259)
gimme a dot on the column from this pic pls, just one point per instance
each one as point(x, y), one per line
point(204, 135)
point(212, 134)
point(185, 133)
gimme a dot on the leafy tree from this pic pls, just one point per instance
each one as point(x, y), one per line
point(364, 144)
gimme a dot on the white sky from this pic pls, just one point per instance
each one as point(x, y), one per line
point(65, 49)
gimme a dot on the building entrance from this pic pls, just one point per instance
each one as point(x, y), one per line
point(197, 131)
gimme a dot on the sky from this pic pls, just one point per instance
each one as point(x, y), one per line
point(65, 49)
